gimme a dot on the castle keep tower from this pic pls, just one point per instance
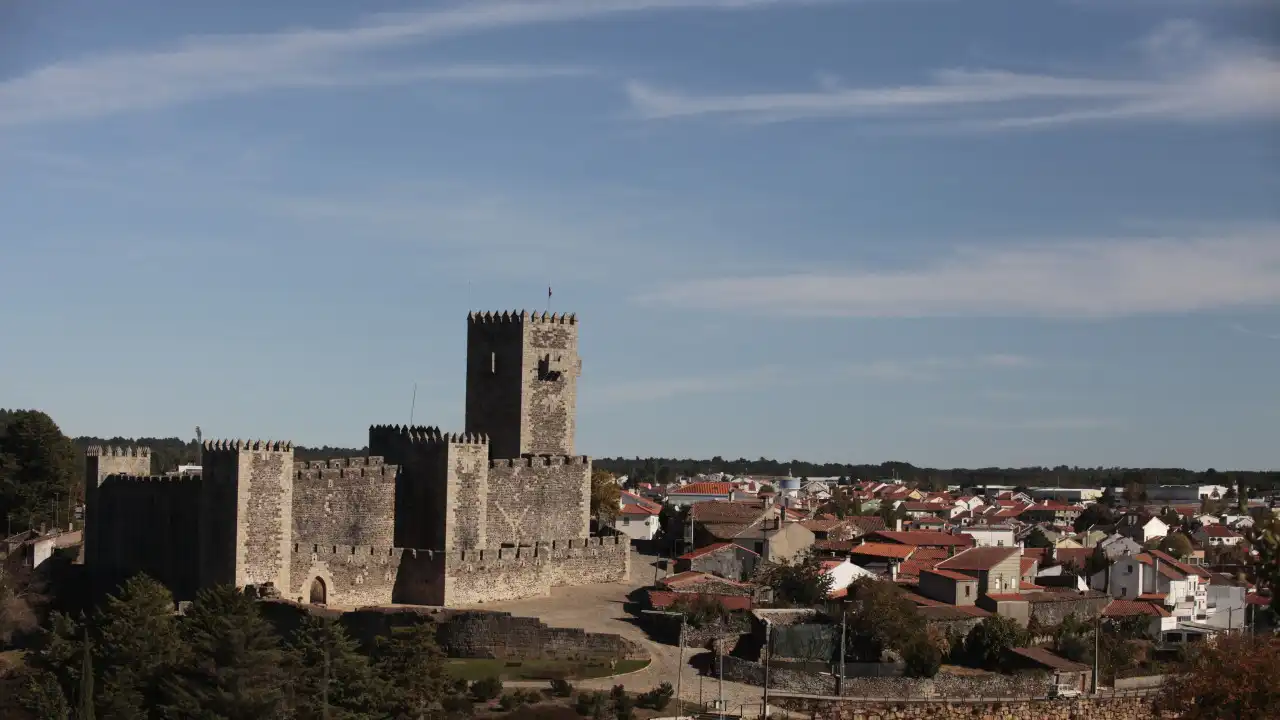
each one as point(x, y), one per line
point(246, 512)
point(522, 382)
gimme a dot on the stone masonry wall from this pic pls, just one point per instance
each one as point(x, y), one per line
point(1027, 684)
point(550, 394)
point(502, 635)
point(509, 573)
point(1054, 612)
point(264, 521)
point(466, 474)
point(353, 575)
point(149, 525)
point(1120, 707)
point(538, 498)
point(348, 501)
point(495, 377)
point(100, 463)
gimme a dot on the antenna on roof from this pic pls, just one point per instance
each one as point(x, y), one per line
point(413, 403)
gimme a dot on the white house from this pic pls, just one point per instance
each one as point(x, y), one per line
point(991, 535)
point(843, 574)
point(637, 516)
point(1148, 576)
point(1237, 522)
point(1217, 535)
point(1133, 526)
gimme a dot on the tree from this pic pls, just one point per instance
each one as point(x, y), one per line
point(1232, 676)
point(1177, 545)
point(332, 679)
point(882, 619)
point(801, 583)
point(1170, 517)
point(86, 680)
point(1037, 539)
point(410, 662)
point(990, 640)
point(235, 668)
point(1096, 514)
point(38, 469)
point(605, 495)
point(138, 646)
point(1264, 537)
point(1134, 492)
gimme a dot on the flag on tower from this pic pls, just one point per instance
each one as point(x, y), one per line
point(548, 291)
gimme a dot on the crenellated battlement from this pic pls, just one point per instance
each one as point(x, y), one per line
point(356, 552)
point(386, 473)
point(521, 316)
point(370, 461)
point(540, 461)
point(426, 435)
point(175, 479)
point(210, 446)
point(116, 451)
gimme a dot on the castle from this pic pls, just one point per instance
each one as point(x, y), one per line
point(499, 511)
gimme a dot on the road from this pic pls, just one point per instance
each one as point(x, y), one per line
point(599, 608)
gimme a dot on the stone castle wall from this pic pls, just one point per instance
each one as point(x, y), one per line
point(538, 498)
point(466, 496)
point(509, 573)
point(350, 501)
point(150, 525)
point(551, 386)
point(353, 575)
point(1117, 707)
point(99, 464)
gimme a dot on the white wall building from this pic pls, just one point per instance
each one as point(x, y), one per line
point(991, 535)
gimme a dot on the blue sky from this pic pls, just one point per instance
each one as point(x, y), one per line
point(955, 233)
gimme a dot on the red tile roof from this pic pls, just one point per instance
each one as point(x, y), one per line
point(637, 509)
point(950, 575)
point(883, 550)
point(822, 524)
point(704, 488)
point(1006, 597)
point(867, 523)
point(1028, 563)
point(922, 538)
point(703, 551)
point(1220, 531)
point(665, 598)
point(1029, 586)
point(979, 558)
point(1128, 608)
point(1075, 557)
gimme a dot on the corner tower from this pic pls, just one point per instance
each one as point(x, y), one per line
point(522, 382)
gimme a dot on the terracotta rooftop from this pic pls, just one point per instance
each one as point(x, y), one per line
point(703, 551)
point(979, 558)
point(951, 612)
point(704, 488)
point(1219, 531)
point(1128, 608)
point(923, 538)
point(665, 598)
point(638, 509)
point(727, 511)
point(1028, 563)
point(867, 523)
point(883, 550)
point(822, 524)
point(1007, 597)
point(950, 574)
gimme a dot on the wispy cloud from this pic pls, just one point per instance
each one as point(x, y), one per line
point(1254, 333)
point(931, 369)
point(635, 391)
point(204, 67)
point(1095, 278)
point(1183, 76)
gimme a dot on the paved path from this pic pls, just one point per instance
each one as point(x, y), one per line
point(599, 608)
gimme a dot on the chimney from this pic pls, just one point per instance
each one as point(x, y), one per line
point(1155, 575)
point(893, 571)
point(897, 525)
point(1053, 553)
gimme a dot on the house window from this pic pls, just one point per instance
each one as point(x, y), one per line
point(1128, 569)
point(966, 590)
point(1124, 591)
point(626, 521)
point(999, 543)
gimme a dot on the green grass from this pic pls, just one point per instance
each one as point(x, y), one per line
point(475, 669)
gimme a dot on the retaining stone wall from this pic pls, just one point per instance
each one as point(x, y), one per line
point(511, 573)
point(1028, 684)
point(1085, 708)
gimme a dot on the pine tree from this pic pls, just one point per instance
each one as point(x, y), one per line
point(138, 646)
point(235, 668)
point(86, 679)
point(410, 662)
point(331, 674)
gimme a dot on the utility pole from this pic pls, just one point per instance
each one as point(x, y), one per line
point(844, 620)
point(764, 709)
point(1097, 649)
point(720, 660)
point(679, 667)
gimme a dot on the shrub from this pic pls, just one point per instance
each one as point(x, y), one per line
point(561, 687)
point(593, 704)
point(624, 707)
point(528, 697)
point(657, 698)
point(457, 705)
point(486, 689)
point(510, 702)
point(921, 657)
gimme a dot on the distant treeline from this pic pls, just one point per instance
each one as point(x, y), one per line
point(665, 469)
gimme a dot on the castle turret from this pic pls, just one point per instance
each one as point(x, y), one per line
point(99, 464)
point(246, 512)
point(522, 379)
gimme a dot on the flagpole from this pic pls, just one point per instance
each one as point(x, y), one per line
point(548, 298)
